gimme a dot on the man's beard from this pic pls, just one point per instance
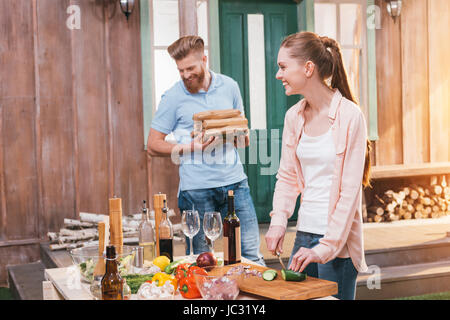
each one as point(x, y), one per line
point(196, 82)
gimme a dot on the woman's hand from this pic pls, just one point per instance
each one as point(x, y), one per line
point(274, 239)
point(302, 259)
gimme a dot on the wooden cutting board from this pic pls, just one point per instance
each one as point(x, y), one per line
point(280, 289)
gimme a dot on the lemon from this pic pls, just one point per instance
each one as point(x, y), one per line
point(162, 262)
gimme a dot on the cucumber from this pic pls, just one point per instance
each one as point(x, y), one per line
point(170, 268)
point(269, 275)
point(291, 275)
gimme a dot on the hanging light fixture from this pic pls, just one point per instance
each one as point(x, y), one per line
point(394, 7)
point(127, 7)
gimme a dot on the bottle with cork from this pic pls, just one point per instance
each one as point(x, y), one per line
point(166, 234)
point(146, 235)
point(231, 234)
point(112, 283)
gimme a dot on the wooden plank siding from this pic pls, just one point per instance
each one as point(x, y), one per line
point(71, 118)
point(439, 79)
point(413, 82)
point(389, 146)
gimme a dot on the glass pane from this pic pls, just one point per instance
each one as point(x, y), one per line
point(165, 22)
point(352, 62)
point(257, 71)
point(351, 24)
point(202, 19)
point(325, 19)
point(166, 73)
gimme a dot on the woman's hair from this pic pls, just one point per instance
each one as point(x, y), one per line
point(325, 53)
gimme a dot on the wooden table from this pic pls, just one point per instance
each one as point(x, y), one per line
point(65, 284)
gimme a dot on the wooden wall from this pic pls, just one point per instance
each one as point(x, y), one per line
point(413, 78)
point(70, 118)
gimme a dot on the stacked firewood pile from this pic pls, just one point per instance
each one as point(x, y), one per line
point(84, 232)
point(228, 123)
point(412, 202)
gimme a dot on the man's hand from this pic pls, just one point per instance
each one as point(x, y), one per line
point(274, 239)
point(197, 143)
point(302, 259)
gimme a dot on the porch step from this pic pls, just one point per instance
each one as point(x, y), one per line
point(25, 280)
point(406, 280)
point(54, 259)
point(435, 251)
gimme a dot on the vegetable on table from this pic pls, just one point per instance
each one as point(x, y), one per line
point(161, 278)
point(134, 281)
point(171, 268)
point(206, 259)
point(186, 285)
point(291, 275)
point(269, 275)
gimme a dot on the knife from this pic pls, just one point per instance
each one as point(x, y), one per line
point(281, 261)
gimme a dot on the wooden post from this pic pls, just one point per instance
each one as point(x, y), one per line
point(188, 17)
point(158, 204)
point(115, 221)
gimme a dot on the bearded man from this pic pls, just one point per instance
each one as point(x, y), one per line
point(206, 180)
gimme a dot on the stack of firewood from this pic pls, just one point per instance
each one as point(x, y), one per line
point(84, 232)
point(226, 124)
point(413, 202)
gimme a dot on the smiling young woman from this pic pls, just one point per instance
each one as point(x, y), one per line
point(325, 157)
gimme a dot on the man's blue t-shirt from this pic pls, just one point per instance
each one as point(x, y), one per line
point(214, 168)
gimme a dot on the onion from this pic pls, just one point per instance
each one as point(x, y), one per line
point(206, 259)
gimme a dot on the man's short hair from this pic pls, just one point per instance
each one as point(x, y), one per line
point(181, 48)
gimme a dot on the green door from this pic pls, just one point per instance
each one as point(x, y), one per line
point(250, 35)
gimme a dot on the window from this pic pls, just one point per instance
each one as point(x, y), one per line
point(344, 20)
point(165, 30)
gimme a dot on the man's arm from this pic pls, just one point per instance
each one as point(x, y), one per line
point(158, 147)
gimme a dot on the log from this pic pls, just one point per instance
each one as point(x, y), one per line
point(407, 191)
point(79, 233)
point(75, 224)
point(414, 194)
point(96, 218)
point(210, 124)
point(433, 180)
point(426, 201)
point(393, 217)
point(216, 114)
point(418, 215)
point(436, 214)
point(68, 246)
point(437, 189)
point(376, 210)
point(407, 215)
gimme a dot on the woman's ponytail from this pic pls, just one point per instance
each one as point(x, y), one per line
point(339, 80)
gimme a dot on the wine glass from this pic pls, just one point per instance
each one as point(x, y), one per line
point(190, 223)
point(212, 226)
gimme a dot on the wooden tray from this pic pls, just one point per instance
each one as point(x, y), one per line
point(280, 289)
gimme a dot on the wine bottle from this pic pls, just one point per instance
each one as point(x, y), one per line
point(231, 234)
point(112, 283)
point(147, 235)
point(166, 234)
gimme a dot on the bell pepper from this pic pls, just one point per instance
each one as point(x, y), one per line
point(181, 271)
point(197, 270)
point(186, 284)
point(162, 278)
point(188, 288)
